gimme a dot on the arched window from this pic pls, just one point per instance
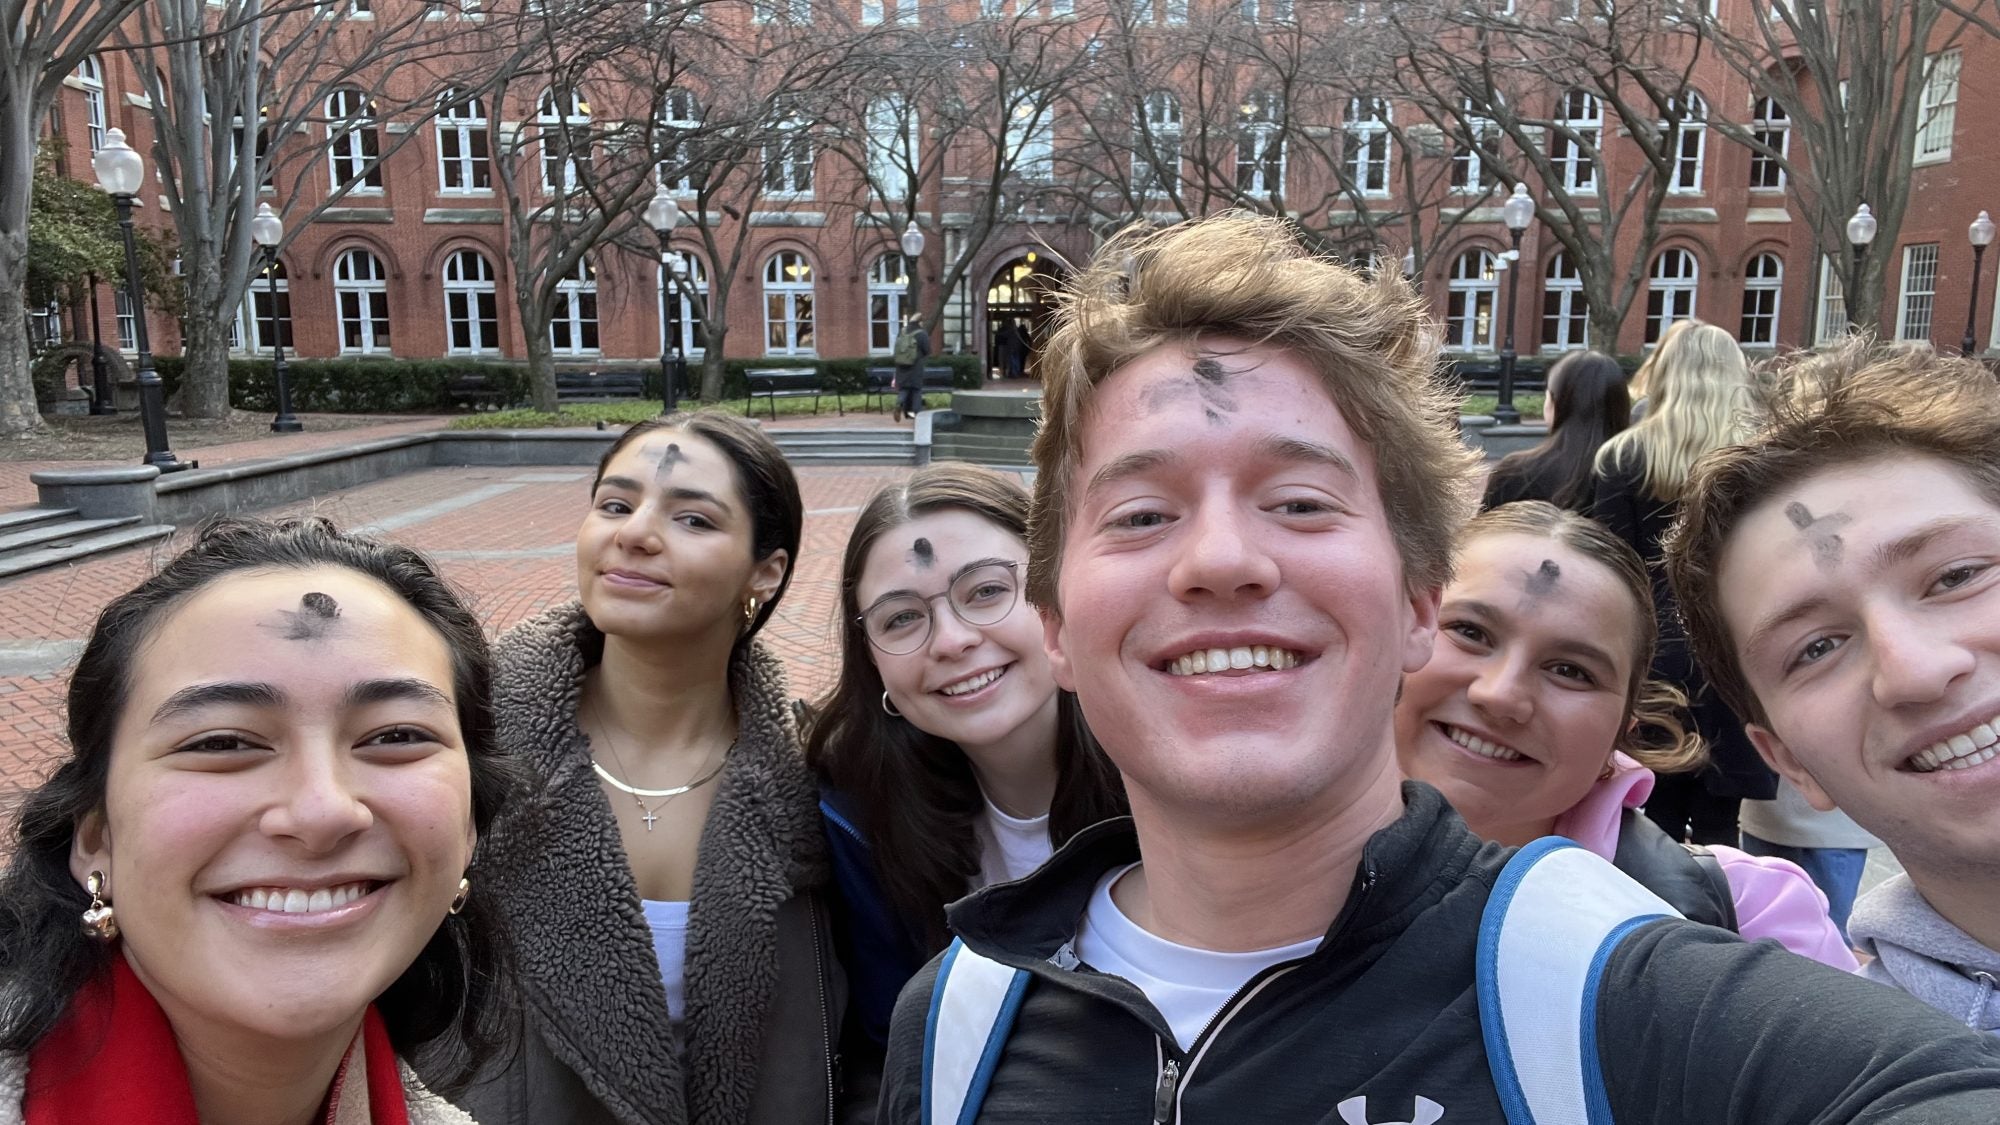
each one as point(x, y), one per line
point(90, 75)
point(888, 282)
point(267, 307)
point(1469, 301)
point(1578, 126)
point(692, 287)
point(353, 146)
point(573, 331)
point(471, 305)
point(464, 161)
point(361, 302)
point(1565, 312)
point(680, 116)
point(1156, 145)
point(1670, 294)
point(1366, 138)
point(1771, 127)
point(1686, 149)
point(788, 304)
point(563, 119)
point(1260, 147)
point(892, 145)
point(1763, 287)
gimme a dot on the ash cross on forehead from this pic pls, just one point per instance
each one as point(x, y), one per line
point(1822, 535)
point(1209, 385)
point(1539, 583)
point(313, 620)
point(922, 555)
point(669, 458)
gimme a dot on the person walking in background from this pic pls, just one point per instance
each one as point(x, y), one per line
point(1586, 404)
point(1701, 399)
point(1012, 345)
point(913, 346)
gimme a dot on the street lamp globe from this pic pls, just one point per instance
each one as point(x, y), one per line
point(1861, 228)
point(1519, 210)
point(663, 214)
point(120, 169)
point(913, 241)
point(1980, 233)
point(1410, 262)
point(267, 229)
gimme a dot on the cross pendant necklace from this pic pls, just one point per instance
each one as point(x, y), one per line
point(649, 818)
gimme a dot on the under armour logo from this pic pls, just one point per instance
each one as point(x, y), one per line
point(1354, 1111)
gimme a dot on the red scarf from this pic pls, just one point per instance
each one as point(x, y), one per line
point(113, 1058)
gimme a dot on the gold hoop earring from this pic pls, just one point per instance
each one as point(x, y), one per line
point(464, 892)
point(890, 708)
point(750, 612)
point(99, 922)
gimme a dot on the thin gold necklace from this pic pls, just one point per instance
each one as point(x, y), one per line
point(648, 813)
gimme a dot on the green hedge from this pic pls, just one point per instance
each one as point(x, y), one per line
point(423, 386)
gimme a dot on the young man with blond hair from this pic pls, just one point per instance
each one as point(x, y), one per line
point(1249, 482)
point(1840, 574)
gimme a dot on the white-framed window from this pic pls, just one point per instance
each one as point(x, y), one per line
point(680, 117)
point(270, 313)
point(788, 304)
point(1260, 147)
point(1156, 148)
point(128, 326)
point(1687, 148)
point(1771, 127)
point(792, 11)
point(562, 118)
point(1763, 290)
point(1471, 295)
point(464, 158)
point(1267, 11)
point(892, 12)
point(693, 337)
point(573, 330)
point(888, 282)
point(1031, 140)
point(1366, 141)
point(353, 143)
point(1919, 292)
point(44, 327)
point(1565, 310)
point(1832, 302)
point(445, 9)
point(788, 159)
point(1670, 291)
point(1471, 164)
point(90, 75)
point(1938, 107)
point(1145, 11)
point(361, 302)
point(892, 144)
point(1578, 125)
point(471, 305)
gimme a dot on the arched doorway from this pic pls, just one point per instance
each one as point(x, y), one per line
point(1019, 301)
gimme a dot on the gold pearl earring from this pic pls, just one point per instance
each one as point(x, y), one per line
point(99, 922)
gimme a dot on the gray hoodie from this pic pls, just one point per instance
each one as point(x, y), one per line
point(1916, 950)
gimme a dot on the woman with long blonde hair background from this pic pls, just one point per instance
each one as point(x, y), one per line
point(1699, 397)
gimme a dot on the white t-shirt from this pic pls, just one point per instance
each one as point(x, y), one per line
point(1188, 985)
point(1010, 847)
point(669, 923)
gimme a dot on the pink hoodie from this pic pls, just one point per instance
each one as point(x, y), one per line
point(1774, 898)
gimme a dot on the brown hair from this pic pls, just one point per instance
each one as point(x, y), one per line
point(1856, 401)
point(1249, 278)
point(918, 792)
point(1651, 730)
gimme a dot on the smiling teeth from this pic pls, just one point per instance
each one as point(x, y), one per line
point(1233, 660)
point(291, 900)
point(1482, 747)
point(1961, 751)
point(973, 684)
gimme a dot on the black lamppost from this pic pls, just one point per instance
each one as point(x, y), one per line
point(1517, 213)
point(267, 230)
point(121, 172)
point(1860, 232)
point(1980, 234)
point(913, 249)
point(663, 214)
point(100, 375)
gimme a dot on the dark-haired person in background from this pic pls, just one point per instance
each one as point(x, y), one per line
point(248, 896)
point(664, 885)
point(1586, 404)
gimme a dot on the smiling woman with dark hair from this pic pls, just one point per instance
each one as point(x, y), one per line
point(248, 895)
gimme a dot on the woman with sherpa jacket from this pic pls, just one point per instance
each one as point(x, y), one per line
point(664, 881)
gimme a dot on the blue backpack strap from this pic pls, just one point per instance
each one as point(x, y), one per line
point(1549, 928)
point(973, 1005)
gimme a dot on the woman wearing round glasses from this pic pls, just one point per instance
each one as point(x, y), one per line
point(950, 758)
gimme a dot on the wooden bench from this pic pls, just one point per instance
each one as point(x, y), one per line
point(600, 386)
point(476, 390)
point(774, 383)
point(881, 383)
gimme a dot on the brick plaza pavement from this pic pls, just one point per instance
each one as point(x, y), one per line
point(505, 534)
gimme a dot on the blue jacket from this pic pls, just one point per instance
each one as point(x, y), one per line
point(880, 952)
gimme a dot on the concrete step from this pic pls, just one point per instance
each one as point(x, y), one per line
point(58, 532)
point(902, 457)
point(827, 437)
point(21, 518)
point(55, 554)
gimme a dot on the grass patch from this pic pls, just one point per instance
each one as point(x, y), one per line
point(638, 410)
point(1530, 405)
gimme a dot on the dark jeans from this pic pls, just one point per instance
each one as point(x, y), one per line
point(1687, 812)
point(1835, 871)
point(910, 400)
